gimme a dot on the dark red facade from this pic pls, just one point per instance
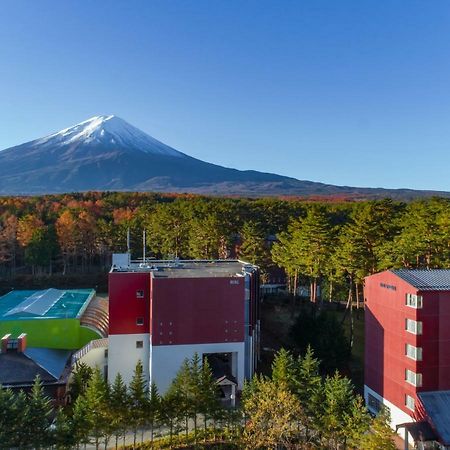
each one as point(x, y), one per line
point(178, 310)
point(125, 307)
point(386, 338)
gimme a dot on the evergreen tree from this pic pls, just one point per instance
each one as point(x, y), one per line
point(284, 370)
point(97, 401)
point(38, 419)
point(209, 403)
point(337, 400)
point(138, 393)
point(273, 414)
point(180, 389)
point(20, 433)
point(10, 418)
point(82, 421)
point(153, 409)
point(64, 432)
point(254, 248)
point(325, 335)
point(308, 383)
point(81, 375)
point(119, 404)
point(381, 434)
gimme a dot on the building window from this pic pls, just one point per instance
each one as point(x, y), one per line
point(140, 321)
point(373, 403)
point(413, 326)
point(139, 344)
point(409, 402)
point(412, 352)
point(414, 301)
point(413, 378)
point(140, 293)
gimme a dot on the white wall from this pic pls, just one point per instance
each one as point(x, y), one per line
point(167, 360)
point(95, 358)
point(123, 355)
point(397, 415)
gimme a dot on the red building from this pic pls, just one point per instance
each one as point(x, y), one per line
point(161, 312)
point(407, 340)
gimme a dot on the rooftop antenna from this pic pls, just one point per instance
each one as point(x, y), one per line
point(144, 243)
point(128, 241)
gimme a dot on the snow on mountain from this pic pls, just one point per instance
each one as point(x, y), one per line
point(108, 131)
point(107, 153)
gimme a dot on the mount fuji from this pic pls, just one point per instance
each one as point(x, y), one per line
point(107, 153)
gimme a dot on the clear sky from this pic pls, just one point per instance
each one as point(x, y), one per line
point(339, 91)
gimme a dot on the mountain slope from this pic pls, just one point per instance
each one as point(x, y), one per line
point(107, 153)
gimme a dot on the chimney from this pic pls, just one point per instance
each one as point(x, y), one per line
point(4, 341)
point(22, 343)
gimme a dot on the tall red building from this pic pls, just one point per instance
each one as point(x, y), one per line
point(407, 340)
point(161, 312)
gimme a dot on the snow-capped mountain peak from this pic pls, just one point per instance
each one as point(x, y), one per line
point(110, 131)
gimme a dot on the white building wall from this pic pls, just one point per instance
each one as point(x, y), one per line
point(95, 358)
point(167, 360)
point(123, 355)
point(397, 415)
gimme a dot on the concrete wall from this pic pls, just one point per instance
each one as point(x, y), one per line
point(123, 355)
point(167, 360)
point(397, 415)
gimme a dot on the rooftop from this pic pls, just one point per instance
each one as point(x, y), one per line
point(436, 406)
point(45, 304)
point(218, 268)
point(426, 280)
point(22, 368)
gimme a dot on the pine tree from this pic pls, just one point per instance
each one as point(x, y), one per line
point(64, 432)
point(381, 434)
point(38, 419)
point(10, 418)
point(97, 400)
point(82, 421)
point(254, 248)
point(357, 423)
point(138, 394)
point(119, 404)
point(309, 382)
point(153, 409)
point(209, 402)
point(21, 434)
point(180, 389)
point(81, 375)
point(284, 370)
point(337, 400)
point(272, 414)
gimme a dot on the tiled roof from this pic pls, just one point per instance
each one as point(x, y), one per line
point(436, 406)
point(426, 280)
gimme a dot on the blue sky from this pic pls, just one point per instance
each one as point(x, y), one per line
point(344, 92)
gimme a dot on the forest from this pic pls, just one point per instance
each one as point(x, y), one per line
point(333, 245)
point(292, 408)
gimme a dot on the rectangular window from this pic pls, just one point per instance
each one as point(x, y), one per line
point(139, 344)
point(140, 293)
point(140, 321)
point(413, 326)
point(412, 352)
point(373, 403)
point(414, 301)
point(409, 402)
point(413, 378)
